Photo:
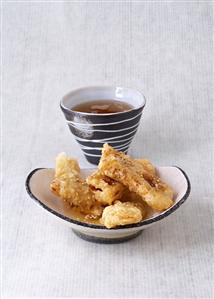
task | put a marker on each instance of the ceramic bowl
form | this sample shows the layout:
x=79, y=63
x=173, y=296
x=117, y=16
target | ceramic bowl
x=38, y=182
x=92, y=130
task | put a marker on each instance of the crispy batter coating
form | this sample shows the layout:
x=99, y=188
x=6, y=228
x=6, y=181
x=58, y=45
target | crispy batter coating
x=147, y=165
x=136, y=177
x=66, y=166
x=121, y=214
x=68, y=185
x=106, y=190
x=136, y=200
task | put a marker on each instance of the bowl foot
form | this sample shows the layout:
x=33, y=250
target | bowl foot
x=106, y=240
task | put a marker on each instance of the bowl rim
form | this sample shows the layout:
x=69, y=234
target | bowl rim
x=102, y=227
x=63, y=107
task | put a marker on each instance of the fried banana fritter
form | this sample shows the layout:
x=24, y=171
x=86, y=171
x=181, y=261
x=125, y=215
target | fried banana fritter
x=66, y=166
x=134, y=175
x=106, y=190
x=68, y=185
x=121, y=213
x=148, y=167
x=136, y=200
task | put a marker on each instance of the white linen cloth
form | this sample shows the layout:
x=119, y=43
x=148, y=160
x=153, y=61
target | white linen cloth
x=162, y=48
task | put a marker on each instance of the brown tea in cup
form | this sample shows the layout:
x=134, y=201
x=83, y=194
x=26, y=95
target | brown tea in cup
x=102, y=106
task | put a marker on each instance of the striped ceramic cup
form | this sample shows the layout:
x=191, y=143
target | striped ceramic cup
x=92, y=130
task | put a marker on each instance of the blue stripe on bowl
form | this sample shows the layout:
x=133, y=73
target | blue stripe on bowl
x=99, y=135
x=103, y=129
x=114, y=139
x=116, y=125
x=100, y=144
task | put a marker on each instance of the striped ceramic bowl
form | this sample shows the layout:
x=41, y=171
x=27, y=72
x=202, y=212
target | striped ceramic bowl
x=92, y=130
